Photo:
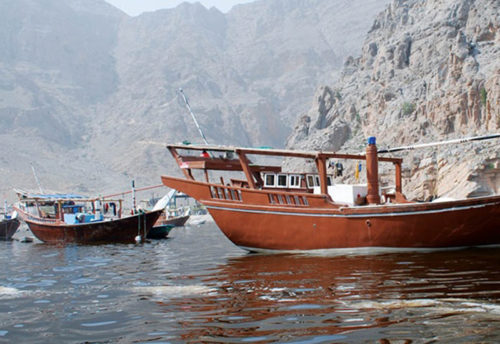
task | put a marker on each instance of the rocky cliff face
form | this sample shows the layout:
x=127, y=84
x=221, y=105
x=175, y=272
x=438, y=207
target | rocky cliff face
x=247, y=73
x=55, y=65
x=429, y=70
x=86, y=91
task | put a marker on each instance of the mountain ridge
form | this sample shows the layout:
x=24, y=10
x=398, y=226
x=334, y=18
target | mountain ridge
x=84, y=86
x=428, y=71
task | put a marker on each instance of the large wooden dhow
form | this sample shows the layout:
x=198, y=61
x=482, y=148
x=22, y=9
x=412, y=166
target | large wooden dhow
x=64, y=219
x=270, y=210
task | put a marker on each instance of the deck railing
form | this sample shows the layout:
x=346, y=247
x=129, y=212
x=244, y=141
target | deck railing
x=225, y=193
x=287, y=199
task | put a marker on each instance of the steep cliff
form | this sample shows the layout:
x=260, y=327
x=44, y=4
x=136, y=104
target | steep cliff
x=55, y=65
x=86, y=89
x=248, y=73
x=429, y=70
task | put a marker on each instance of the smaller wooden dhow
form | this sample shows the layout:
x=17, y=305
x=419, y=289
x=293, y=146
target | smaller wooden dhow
x=8, y=226
x=169, y=218
x=67, y=218
x=164, y=225
x=273, y=210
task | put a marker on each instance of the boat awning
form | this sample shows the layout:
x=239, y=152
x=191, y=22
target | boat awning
x=201, y=163
x=61, y=196
x=58, y=196
x=274, y=152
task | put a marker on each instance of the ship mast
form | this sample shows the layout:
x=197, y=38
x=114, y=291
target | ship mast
x=36, y=178
x=193, y=116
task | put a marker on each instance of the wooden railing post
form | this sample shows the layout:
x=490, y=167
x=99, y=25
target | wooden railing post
x=246, y=168
x=320, y=161
x=399, y=185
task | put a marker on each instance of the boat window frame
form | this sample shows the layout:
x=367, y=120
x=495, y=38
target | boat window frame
x=278, y=180
x=298, y=181
x=315, y=179
x=274, y=180
x=308, y=181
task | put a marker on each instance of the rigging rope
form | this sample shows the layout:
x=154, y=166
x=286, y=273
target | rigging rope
x=431, y=144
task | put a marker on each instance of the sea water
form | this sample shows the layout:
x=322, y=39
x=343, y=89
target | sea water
x=196, y=287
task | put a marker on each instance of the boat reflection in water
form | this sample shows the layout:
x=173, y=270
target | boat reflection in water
x=388, y=298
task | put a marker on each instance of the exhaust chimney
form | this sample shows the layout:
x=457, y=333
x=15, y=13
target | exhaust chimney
x=372, y=196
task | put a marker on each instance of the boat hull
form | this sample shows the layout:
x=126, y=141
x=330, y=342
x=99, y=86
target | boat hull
x=122, y=230
x=163, y=226
x=160, y=231
x=257, y=227
x=177, y=221
x=8, y=228
x=257, y=230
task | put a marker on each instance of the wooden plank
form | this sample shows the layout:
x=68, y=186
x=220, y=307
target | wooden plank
x=280, y=152
x=192, y=162
x=177, y=158
x=321, y=166
x=246, y=169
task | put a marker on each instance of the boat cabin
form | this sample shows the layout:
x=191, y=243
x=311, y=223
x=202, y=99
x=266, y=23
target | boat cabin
x=70, y=209
x=305, y=182
x=284, y=186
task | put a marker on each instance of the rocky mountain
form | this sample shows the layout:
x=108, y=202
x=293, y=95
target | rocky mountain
x=429, y=70
x=247, y=74
x=55, y=64
x=88, y=95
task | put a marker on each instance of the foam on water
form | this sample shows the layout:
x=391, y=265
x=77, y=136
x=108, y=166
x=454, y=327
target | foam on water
x=97, y=324
x=171, y=291
x=394, y=304
x=8, y=292
x=437, y=306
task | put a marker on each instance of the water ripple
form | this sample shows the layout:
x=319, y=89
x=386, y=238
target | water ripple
x=198, y=287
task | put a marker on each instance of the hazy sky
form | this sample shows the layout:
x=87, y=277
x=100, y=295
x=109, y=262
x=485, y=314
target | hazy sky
x=135, y=7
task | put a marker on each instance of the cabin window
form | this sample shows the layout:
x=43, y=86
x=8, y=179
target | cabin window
x=269, y=180
x=282, y=182
x=329, y=180
x=310, y=181
x=316, y=181
x=294, y=181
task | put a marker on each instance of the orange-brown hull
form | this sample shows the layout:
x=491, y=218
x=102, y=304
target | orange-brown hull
x=249, y=221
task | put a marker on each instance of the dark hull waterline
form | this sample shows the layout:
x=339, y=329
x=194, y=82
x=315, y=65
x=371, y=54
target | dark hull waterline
x=7, y=228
